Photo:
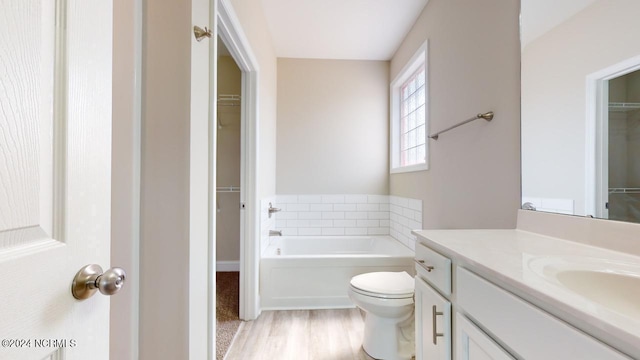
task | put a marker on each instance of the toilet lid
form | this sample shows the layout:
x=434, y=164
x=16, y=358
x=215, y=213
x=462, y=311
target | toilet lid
x=391, y=283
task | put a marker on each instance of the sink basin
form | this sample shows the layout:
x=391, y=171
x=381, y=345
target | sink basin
x=614, y=285
x=619, y=292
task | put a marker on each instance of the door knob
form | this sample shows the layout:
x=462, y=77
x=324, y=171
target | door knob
x=91, y=278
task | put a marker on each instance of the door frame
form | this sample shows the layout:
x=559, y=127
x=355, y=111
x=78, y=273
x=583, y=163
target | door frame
x=597, y=135
x=230, y=31
x=201, y=298
x=125, y=248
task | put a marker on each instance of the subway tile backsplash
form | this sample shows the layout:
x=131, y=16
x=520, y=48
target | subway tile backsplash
x=405, y=215
x=346, y=214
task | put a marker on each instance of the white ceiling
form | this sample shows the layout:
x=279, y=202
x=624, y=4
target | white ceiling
x=340, y=29
x=539, y=16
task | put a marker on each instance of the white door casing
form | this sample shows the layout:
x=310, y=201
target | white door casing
x=229, y=29
x=55, y=149
x=201, y=217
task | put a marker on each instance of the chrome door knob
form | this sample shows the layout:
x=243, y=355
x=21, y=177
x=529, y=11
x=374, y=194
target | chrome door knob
x=91, y=278
x=111, y=281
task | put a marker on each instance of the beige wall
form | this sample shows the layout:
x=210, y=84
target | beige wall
x=228, y=163
x=554, y=85
x=474, y=62
x=164, y=248
x=254, y=25
x=332, y=127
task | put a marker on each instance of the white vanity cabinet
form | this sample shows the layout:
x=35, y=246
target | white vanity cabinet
x=433, y=305
x=473, y=317
x=433, y=309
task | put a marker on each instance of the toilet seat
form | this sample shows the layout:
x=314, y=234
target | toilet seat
x=381, y=296
x=384, y=285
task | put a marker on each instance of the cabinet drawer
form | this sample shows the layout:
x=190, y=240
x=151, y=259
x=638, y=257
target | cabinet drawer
x=434, y=268
x=529, y=331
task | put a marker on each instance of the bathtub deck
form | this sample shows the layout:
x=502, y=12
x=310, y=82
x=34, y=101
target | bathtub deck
x=301, y=335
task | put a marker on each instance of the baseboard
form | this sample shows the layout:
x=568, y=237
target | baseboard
x=227, y=265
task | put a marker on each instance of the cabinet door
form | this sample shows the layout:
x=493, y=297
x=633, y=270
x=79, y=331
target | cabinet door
x=433, y=324
x=473, y=344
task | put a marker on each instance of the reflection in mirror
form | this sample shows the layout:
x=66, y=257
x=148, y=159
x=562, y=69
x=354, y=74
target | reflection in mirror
x=624, y=148
x=581, y=107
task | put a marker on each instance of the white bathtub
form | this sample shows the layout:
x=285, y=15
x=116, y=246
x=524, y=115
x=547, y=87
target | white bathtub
x=313, y=272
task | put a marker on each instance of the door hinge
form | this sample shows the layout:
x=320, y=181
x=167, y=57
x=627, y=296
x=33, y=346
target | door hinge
x=606, y=205
x=242, y=206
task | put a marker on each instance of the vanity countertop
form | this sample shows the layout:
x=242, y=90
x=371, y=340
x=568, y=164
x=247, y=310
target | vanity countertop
x=516, y=261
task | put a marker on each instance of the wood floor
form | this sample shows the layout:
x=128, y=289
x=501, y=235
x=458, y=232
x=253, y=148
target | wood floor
x=301, y=335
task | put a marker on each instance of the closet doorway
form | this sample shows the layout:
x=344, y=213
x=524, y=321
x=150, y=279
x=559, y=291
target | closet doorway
x=228, y=161
x=230, y=35
x=228, y=197
x=613, y=142
x=623, y=188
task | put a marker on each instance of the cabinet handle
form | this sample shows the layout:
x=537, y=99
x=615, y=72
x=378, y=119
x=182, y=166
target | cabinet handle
x=429, y=268
x=436, y=334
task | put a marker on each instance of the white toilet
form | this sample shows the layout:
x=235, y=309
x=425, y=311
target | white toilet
x=387, y=300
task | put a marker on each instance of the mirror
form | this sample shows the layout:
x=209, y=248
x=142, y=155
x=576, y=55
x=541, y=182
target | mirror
x=581, y=107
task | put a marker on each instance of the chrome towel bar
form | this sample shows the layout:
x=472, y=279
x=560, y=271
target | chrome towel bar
x=487, y=116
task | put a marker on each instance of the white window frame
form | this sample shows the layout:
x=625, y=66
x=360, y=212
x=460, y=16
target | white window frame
x=418, y=60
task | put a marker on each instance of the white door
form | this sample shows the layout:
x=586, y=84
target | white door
x=55, y=168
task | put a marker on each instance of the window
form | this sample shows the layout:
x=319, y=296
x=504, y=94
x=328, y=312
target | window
x=409, y=146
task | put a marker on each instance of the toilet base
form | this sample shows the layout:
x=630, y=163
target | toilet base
x=379, y=333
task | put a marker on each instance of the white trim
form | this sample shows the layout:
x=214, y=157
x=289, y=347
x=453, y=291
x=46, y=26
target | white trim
x=230, y=31
x=410, y=168
x=596, y=142
x=419, y=58
x=227, y=266
x=133, y=240
x=211, y=237
x=592, y=88
x=412, y=65
x=137, y=171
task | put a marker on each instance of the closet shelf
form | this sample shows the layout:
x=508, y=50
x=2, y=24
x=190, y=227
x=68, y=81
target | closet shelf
x=624, y=190
x=623, y=106
x=228, y=189
x=229, y=100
